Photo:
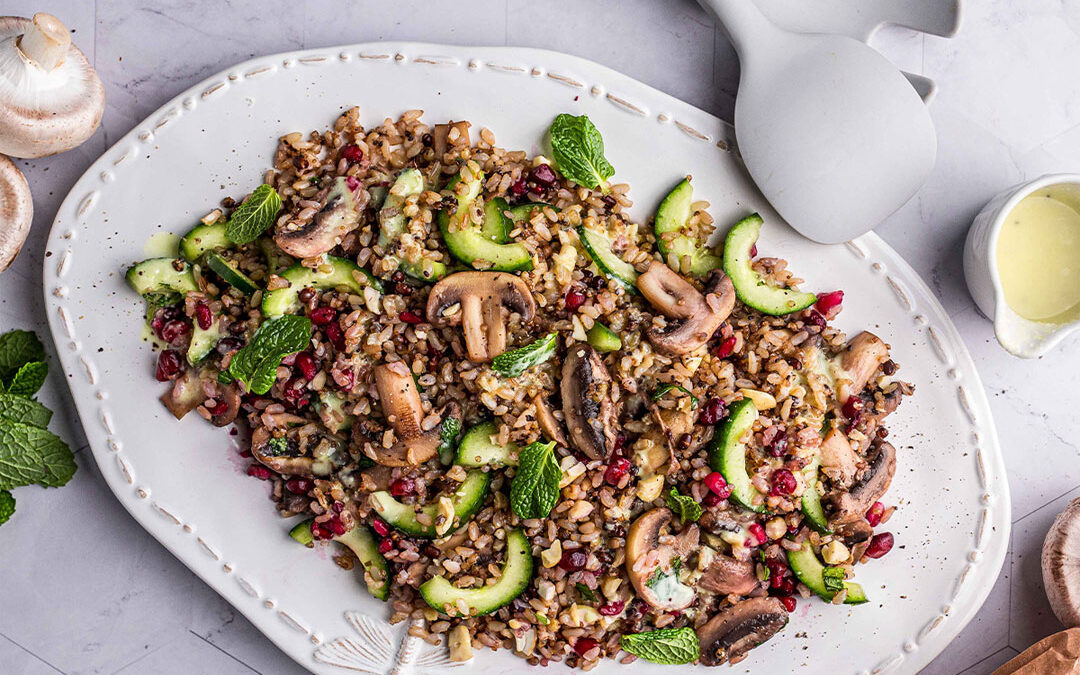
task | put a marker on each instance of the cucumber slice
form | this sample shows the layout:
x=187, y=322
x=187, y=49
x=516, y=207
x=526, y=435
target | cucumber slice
x=598, y=246
x=476, y=448
x=230, y=274
x=285, y=300
x=727, y=454
x=203, y=342
x=671, y=218
x=302, y=533
x=603, y=339
x=524, y=211
x=410, y=182
x=331, y=409
x=516, y=574
x=811, y=499
x=361, y=542
x=497, y=225
x=158, y=276
x=809, y=570
x=467, y=500
x=203, y=238
x=751, y=288
x=473, y=245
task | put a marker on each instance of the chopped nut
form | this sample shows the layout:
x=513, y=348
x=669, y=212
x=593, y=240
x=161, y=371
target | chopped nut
x=762, y=400
x=650, y=488
x=835, y=553
x=446, y=510
x=460, y=643
x=580, y=510
x=550, y=557
x=776, y=527
x=580, y=615
x=610, y=587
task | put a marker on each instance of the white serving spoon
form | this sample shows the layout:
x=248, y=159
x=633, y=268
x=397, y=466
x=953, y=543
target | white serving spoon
x=833, y=135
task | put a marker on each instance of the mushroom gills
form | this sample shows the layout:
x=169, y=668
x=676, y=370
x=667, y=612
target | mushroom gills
x=340, y=214
x=1061, y=565
x=480, y=302
x=16, y=211
x=845, y=506
x=694, y=317
x=733, y=632
x=726, y=575
x=588, y=406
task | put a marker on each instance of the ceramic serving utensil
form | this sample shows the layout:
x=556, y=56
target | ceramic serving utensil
x=833, y=135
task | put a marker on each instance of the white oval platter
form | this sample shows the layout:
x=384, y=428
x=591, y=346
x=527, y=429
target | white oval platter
x=183, y=482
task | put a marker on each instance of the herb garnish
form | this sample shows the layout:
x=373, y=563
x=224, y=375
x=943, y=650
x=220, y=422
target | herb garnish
x=687, y=509
x=256, y=363
x=578, y=150
x=667, y=646
x=534, y=491
x=665, y=388
x=834, y=579
x=586, y=592
x=517, y=361
x=254, y=216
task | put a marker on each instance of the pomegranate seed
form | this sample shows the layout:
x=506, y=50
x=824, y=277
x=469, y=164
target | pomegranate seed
x=174, y=330
x=873, y=515
x=352, y=153
x=584, y=645
x=519, y=188
x=298, y=486
x=352, y=182
x=293, y=391
x=574, y=299
x=402, y=487
x=573, y=560
x=345, y=380
x=615, y=471
x=713, y=411
x=409, y=317
x=380, y=527
x=853, y=408
x=827, y=302
x=710, y=500
x=258, y=471
x=788, y=602
x=305, y=362
x=227, y=345
x=620, y=441
x=613, y=608
x=322, y=316
x=336, y=336
x=319, y=532
x=725, y=349
x=778, y=448
x=203, y=316
x=337, y=526
x=542, y=174
x=880, y=545
x=385, y=546
x=219, y=408
x=783, y=482
x=775, y=580
x=169, y=365
x=814, y=318
x=758, y=532
x=753, y=251
x=788, y=587
x=715, y=482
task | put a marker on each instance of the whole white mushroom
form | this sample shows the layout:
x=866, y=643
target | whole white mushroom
x=16, y=211
x=1061, y=565
x=51, y=100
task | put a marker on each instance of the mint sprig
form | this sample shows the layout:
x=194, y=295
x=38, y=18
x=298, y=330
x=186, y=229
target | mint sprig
x=7, y=506
x=256, y=363
x=667, y=646
x=254, y=216
x=834, y=579
x=534, y=491
x=30, y=454
x=517, y=361
x=15, y=408
x=17, y=348
x=28, y=379
x=684, y=506
x=578, y=150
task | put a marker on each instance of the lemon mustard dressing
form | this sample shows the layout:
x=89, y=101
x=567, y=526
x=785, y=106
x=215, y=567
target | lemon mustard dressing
x=1038, y=255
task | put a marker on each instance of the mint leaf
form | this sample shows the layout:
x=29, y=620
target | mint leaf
x=517, y=361
x=17, y=348
x=667, y=646
x=254, y=216
x=256, y=363
x=578, y=150
x=30, y=454
x=18, y=409
x=834, y=579
x=7, y=506
x=665, y=388
x=586, y=592
x=534, y=491
x=28, y=379
x=451, y=427
x=687, y=509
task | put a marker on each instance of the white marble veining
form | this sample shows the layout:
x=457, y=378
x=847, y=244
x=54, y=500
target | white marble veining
x=85, y=590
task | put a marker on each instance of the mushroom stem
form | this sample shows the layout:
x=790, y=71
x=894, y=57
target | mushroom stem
x=46, y=43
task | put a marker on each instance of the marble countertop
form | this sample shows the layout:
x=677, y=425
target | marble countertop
x=85, y=590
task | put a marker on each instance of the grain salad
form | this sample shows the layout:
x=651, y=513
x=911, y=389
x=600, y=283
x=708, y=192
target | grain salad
x=526, y=420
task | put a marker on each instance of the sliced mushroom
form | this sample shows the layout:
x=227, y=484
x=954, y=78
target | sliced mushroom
x=186, y=394
x=849, y=505
x=51, y=100
x=16, y=211
x=729, y=635
x=860, y=359
x=401, y=405
x=588, y=403
x=650, y=556
x=838, y=460
x=550, y=426
x=480, y=301
x=695, y=317
x=857, y=536
x=726, y=575
x=1061, y=565
x=291, y=461
x=341, y=212
x=230, y=394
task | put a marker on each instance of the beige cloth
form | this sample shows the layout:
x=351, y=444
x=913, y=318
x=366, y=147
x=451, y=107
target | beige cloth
x=1058, y=654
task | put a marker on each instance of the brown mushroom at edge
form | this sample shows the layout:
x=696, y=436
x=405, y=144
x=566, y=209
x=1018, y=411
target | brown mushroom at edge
x=404, y=412
x=845, y=506
x=730, y=634
x=650, y=562
x=1060, y=563
x=340, y=214
x=695, y=316
x=587, y=402
x=16, y=211
x=482, y=300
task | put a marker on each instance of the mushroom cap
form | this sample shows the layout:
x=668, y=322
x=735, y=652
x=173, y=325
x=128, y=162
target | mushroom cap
x=860, y=359
x=231, y=395
x=853, y=503
x=696, y=316
x=1061, y=565
x=340, y=214
x=587, y=403
x=401, y=404
x=44, y=112
x=739, y=628
x=549, y=426
x=484, y=299
x=645, y=554
x=16, y=211
x=726, y=575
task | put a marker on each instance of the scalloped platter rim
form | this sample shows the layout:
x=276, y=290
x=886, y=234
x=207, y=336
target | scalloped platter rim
x=217, y=139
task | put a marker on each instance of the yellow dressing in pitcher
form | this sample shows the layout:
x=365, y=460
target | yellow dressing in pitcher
x=1038, y=255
